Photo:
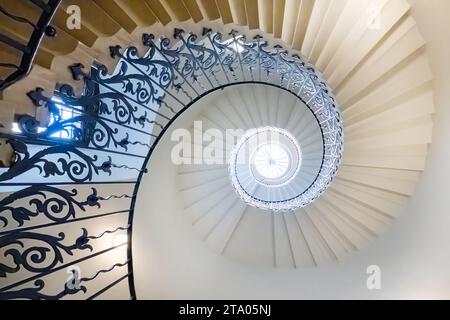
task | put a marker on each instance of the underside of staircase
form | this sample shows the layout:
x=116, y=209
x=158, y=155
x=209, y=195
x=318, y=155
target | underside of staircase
x=375, y=74
x=105, y=23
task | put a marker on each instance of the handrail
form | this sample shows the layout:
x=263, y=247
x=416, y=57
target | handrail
x=27, y=50
x=117, y=123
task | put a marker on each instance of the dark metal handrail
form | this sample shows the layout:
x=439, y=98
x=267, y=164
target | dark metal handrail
x=28, y=51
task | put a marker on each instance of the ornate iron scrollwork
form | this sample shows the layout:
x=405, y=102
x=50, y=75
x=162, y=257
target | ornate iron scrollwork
x=35, y=293
x=79, y=169
x=71, y=287
x=56, y=204
x=125, y=110
x=91, y=122
x=46, y=251
x=37, y=258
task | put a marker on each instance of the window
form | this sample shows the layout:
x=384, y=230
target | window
x=65, y=113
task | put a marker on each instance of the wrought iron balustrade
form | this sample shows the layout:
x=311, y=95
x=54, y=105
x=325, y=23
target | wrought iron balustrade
x=116, y=125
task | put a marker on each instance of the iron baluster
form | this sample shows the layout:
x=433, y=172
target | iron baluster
x=178, y=34
x=147, y=39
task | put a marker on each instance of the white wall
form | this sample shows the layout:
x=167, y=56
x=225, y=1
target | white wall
x=414, y=254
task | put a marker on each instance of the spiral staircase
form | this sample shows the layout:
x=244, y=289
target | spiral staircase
x=357, y=207
x=355, y=94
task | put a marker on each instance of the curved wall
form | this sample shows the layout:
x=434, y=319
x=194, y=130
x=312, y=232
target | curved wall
x=414, y=255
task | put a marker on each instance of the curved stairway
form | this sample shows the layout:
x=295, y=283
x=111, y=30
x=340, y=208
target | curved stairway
x=379, y=76
x=315, y=29
x=373, y=183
